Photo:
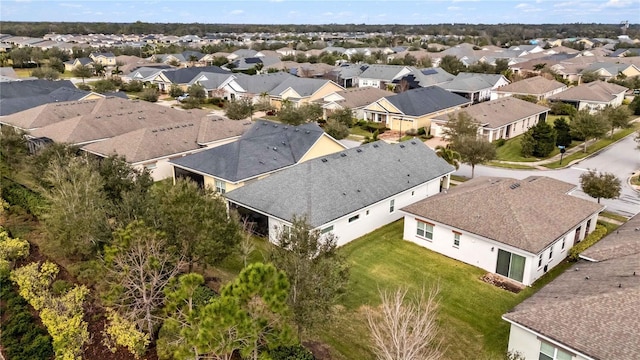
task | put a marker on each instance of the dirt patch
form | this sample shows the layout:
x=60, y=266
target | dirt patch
x=502, y=282
x=320, y=350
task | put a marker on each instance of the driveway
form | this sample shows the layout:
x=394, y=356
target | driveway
x=621, y=159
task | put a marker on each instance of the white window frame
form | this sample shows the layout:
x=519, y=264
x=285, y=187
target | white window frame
x=551, y=352
x=392, y=205
x=221, y=186
x=456, y=240
x=426, y=229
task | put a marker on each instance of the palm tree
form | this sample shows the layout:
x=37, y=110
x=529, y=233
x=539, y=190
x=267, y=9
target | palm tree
x=449, y=155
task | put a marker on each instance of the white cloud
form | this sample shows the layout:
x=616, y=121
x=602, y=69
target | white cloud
x=617, y=3
x=522, y=6
x=70, y=5
x=236, y=12
x=454, y=8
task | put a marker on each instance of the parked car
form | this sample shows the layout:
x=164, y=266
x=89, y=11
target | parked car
x=182, y=97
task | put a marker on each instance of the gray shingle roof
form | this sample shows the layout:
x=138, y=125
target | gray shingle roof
x=471, y=82
x=426, y=77
x=593, y=306
x=185, y=75
x=422, y=101
x=257, y=84
x=382, y=72
x=496, y=113
x=594, y=91
x=264, y=148
x=336, y=185
x=18, y=104
x=529, y=216
x=29, y=88
x=303, y=86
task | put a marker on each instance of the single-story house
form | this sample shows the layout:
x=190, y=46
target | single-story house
x=593, y=96
x=414, y=108
x=502, y=118
x=355, y=99
x=519, y=229
x=106, y=59
x=380, y=76
x=590, y=312
x=475, y=87
x=153, y=147
x=423, y=78
x=349, y=193
x=607, y=71
x=72, y=64
x=301, y=91
x=17, y=96
x=264, y=149
x=181, y=77
x=537, y=86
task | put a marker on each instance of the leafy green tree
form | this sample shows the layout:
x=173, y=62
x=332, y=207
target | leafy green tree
x=449, y=155
x=132, y=86
x=560, y=108
x=175, y=90
x=45, y=72
x=20, y=57
x=13, y=150
x=239, y=109
x=103, y=86
x=458, y=126
x=545, y=139
x=99, y=69
x=587, y=126
x=83, y=72
x=195, y=222
x=616, y=117
x=563, y=132
x=56, y=64
x=343, y=116
x=600, y=185
x=197, y=92
x=76, y=218
x=150, y=94
x=590, y=76
x=336, y=129
x=138, y=265
x=317, y=273
x=475, y=150
x=452, y=65
x=634, y=106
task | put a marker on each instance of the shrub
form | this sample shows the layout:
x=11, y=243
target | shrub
x=133, y=86
x=83, y=86
x=411, y=132
x=60, y=287
x=559, y=108
x=422, y=131
x=104, y=86
x=591, y=239
x=16, y=194
x=150, y=95
x=175, y=91
x=500, y=142
x=336, y=129
x=293, y=352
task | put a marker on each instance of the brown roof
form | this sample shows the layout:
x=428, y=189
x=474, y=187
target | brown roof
x=536, y=85
x=48, y=114
x=359, y=97
x=109, y=117
x=594, y=91
x=496, y=113
x=162, y=141
x=528, y=214
x=593, y=307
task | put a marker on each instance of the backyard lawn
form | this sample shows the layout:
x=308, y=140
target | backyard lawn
x=471, y=310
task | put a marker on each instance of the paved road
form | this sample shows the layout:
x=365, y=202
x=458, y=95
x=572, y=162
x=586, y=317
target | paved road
x=621, y=159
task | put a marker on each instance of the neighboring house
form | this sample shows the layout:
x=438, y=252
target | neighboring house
x=72, y=64
x=519, y=229
x=607, y=71
x=590, y=311
x=266, y=148
x=17, y=96
x=7, y=73
x=243, y=53
x=343, y=193
x=502, y=118
x=424, y=77
x=538, y=86
x=145, y=73
x=380, y=76
x=593, y=96
x=106, y=59
x=415, y=108
x=355, y=99
x=84, y=122
x=301, y=91
x=248, y=63
x=153, y=147
x=475, y=87
x=183, y=59
x=347, y=75
x=181, y=77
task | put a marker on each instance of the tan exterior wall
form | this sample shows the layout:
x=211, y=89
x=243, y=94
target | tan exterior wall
x=324, y=146
x=383, y=105
x=324, y=91
x=630, y=72
x=210, y=181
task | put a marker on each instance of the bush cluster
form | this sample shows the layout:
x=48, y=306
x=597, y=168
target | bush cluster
x=591, y=239
x=18, y=195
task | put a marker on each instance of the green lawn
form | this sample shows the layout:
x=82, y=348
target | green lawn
x=471, y=310
x=510, y=151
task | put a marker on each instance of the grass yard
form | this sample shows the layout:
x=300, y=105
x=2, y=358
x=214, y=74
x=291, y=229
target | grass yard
x=470, y=310
x=510, y=151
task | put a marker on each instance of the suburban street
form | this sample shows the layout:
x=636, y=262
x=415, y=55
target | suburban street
x=621, y=159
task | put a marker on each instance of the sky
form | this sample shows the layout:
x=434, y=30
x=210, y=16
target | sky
x=326, y=11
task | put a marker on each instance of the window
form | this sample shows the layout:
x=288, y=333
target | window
x=151, y=166
x=326, y=230
x=367, y=213
x=354, y=218
x=551, y=252
x=563, y=241
x=550, y=352
x=540, y=260
x=510, y=265
x=425, y=230
x=456, y=239
x=221, y=187
x=392, y=206
x=412, y=193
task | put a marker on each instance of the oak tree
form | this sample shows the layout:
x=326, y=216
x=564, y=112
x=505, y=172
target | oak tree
x=600, y=185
